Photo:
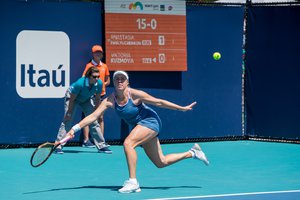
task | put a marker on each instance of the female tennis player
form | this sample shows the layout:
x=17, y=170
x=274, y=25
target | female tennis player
x=145, y=125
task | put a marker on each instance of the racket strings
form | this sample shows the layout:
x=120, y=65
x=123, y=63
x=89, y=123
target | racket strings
x=41, y=154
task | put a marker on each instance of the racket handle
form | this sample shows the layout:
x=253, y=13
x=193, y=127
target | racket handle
x=66, y=139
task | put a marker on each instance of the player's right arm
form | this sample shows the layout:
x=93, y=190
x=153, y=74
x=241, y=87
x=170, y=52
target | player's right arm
x=105, y=104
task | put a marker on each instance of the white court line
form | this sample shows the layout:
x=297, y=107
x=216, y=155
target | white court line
x=229, y=195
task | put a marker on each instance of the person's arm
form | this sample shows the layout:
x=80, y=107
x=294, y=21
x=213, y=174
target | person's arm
x=106, y=81
x=148, y=99
x=106, y=77
x=69, y=112
x=105, y=104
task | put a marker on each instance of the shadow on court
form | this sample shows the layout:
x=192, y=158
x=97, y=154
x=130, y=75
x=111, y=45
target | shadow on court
x=112, y=188
x=78, y=151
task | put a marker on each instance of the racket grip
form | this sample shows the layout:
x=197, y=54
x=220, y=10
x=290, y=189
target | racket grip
x=66, y=139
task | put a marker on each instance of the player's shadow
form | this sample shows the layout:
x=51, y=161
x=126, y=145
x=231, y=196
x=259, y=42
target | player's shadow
x=112, y=188
x=77, y=151
x=167, y=188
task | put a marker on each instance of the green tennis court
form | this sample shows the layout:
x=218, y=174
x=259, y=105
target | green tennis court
x=238, y=170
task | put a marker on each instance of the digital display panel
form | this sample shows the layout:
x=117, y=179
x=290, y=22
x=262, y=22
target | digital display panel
x=146, y=35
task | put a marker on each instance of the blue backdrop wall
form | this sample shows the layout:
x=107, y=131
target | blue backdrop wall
x=215, y=85
x=273, y=68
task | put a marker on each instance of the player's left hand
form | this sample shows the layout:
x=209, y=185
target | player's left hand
x=189, y=107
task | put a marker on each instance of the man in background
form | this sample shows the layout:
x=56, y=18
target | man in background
x=97, y=53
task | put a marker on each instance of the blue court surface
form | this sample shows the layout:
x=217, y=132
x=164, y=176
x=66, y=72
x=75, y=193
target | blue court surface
x=249, y=170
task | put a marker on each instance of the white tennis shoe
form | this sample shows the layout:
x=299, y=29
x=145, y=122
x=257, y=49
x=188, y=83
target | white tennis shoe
x=199, y=154
x=130, y=187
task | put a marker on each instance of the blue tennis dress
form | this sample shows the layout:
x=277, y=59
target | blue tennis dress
x=138, y=114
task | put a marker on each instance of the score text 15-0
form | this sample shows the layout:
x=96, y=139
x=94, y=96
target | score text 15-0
x=143, y=24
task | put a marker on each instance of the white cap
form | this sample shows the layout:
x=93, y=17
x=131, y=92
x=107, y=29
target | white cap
x=121, y=73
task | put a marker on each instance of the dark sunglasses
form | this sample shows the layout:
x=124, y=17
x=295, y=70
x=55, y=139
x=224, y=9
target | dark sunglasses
x=95, y=77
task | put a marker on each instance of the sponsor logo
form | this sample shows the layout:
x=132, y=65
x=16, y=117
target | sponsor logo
x=42, y=64
x=133, y=6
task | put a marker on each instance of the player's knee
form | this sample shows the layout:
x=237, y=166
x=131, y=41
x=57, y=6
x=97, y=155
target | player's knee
x=128, y=144
x=161, y=164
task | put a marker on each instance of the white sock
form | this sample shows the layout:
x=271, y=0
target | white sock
x=133, y=180
x=193, y=153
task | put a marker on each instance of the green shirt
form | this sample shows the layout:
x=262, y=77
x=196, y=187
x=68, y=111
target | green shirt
x=83, y=90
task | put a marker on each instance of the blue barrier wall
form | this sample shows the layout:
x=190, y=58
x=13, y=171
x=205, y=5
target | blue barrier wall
x=34, y=120
x=215, y=85
x=273, y=68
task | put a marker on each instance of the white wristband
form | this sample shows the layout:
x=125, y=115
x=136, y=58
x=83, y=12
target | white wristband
x=76, y=128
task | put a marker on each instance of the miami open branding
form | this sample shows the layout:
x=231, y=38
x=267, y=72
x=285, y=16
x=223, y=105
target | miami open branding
x=42, y=64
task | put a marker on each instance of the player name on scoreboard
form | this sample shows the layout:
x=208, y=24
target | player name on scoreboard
x=126, y=56
x=145, y=36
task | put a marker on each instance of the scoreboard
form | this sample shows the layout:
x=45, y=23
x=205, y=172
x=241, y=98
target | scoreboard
x=145, y=35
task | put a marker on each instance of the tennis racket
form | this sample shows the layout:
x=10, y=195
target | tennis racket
x=44, y=151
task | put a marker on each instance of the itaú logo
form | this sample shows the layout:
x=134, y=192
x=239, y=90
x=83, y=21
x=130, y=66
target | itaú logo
x=135, y=5
x=42, y=64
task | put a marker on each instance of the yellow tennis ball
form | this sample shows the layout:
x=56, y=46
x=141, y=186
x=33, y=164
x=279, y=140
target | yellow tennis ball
x=217, y=56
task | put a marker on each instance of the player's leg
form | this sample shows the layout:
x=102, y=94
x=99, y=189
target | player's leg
x=137, y=137
x=154, y=152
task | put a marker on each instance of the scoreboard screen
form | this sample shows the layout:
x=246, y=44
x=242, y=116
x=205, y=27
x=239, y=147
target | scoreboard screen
x=146, y=35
